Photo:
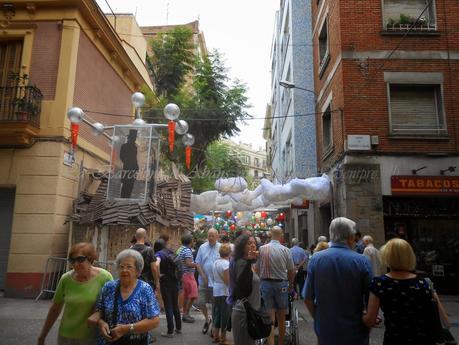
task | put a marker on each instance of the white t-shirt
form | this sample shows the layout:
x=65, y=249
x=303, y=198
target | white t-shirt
x=220, y=288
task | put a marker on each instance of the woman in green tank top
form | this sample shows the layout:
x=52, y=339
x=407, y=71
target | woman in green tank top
x=77, y=293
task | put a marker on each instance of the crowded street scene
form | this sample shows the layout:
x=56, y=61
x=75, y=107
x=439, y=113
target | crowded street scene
x=261, y=172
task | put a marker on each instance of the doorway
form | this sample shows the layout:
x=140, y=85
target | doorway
x=6, y=216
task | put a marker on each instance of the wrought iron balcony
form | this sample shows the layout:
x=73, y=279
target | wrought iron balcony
x=20, y=103
x=20, y=108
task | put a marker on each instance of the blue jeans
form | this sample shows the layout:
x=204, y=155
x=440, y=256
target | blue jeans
x=274, y=294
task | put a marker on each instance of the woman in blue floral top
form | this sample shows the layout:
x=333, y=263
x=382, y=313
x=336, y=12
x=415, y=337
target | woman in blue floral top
x=126, y=308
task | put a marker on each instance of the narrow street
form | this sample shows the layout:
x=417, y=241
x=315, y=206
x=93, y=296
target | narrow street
x=22, y=319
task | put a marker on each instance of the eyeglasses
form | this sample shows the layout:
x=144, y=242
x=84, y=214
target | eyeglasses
x=126, y=267
x=80, y=259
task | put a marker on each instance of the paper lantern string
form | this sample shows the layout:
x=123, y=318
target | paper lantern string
x=188, y=157
x=75, y=128
x=171, y=126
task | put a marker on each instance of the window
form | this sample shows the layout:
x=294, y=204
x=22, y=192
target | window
x=10, y=59
x=263, y=164
x=416, y=109
x=256, y=162
x=323, y=47
x=255, y=173
x=327, y=138
x=402, y=14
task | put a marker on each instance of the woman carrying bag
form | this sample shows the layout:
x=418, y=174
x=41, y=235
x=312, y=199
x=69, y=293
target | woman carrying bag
x=245, y=285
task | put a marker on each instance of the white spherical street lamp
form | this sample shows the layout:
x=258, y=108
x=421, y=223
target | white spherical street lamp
x=171, y=111
x=75, y=115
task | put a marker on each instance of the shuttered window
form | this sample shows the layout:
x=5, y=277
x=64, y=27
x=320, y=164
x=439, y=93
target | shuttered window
x=10, y=59
x=416, y=109
x=323, y=42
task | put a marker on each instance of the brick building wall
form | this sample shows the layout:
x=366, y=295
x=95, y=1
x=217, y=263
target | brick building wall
x=354, y=75
x=356, y=83
x=113, y=98
x=45, y=57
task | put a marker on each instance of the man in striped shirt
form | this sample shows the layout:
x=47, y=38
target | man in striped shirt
x=277, y=272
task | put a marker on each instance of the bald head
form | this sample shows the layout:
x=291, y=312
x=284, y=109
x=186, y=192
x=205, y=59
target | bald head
x=277, y=233
x=141, y=235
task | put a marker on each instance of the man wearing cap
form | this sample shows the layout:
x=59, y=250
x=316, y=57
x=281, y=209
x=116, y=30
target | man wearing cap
x=128, y=155
x=277, y=272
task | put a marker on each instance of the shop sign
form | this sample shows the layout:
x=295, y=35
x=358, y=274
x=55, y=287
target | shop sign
x=421, y=185
x=438, y=270
x=358, y=142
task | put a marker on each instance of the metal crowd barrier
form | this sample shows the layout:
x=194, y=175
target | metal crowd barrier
x=55, y=267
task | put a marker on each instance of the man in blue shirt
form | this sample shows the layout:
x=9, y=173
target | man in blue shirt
x=299, y=258
x=208, y=253
x=337, y=288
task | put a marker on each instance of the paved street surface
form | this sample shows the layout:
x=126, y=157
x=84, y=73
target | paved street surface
x=21, y=321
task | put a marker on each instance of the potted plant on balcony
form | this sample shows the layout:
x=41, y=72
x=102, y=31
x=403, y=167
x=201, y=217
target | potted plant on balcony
x=24, y=108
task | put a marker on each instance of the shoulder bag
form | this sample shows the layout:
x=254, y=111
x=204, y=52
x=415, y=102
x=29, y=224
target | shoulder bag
x=259, y=323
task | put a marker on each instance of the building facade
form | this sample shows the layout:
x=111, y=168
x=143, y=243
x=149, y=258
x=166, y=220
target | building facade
x=291, y=133
x=385, y=76
x=254, y=160
x=72, y=56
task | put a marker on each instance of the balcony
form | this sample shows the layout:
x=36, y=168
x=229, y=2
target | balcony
x=20, y=108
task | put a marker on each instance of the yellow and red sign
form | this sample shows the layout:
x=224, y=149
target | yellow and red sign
x=422, y=185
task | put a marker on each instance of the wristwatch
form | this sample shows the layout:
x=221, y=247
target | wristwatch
x=131, y=328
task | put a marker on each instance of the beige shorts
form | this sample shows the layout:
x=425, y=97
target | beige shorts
x=206, y=295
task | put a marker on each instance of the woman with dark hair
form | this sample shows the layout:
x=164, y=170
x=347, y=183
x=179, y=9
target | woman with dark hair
x=77, y=292
x=244, y=284
x=169, y=286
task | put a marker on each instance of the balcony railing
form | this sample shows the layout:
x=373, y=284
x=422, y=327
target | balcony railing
x=20, y=104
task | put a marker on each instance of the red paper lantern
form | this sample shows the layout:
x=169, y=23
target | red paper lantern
x=75, y=128
x=171, y=126
x=232, y=227
x=228, y=213
x=281, y=217
x=188, y=157
x=264, y=214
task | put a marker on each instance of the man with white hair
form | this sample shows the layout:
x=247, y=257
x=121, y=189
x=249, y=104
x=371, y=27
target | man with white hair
x=336, y=288
x=277, y=273
x=208, y=253
x=372, y=254
x=322, y=239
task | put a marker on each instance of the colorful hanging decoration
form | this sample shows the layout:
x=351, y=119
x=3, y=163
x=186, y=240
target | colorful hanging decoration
x=264, y=214
x=232, y=227
x=188, y=157
x=228, y=213
x=75, y=128
x=171, y=126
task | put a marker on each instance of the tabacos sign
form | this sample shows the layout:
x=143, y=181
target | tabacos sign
x=417, y=185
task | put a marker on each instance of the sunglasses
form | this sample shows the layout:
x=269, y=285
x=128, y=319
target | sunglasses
x=80, y=259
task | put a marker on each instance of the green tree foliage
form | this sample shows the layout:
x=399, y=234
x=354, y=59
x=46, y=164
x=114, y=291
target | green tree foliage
x=213, y=105
x=220, y=161
x=172, y=60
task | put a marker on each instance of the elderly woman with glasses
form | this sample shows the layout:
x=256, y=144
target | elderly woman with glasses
x=126, y=308
x=77, y=290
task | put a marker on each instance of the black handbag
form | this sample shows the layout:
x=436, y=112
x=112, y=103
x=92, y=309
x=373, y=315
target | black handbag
x=259, y=323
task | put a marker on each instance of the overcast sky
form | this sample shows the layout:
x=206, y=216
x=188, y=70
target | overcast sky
x=240, y=29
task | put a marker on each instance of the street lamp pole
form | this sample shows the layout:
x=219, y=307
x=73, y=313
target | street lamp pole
x=289, y=85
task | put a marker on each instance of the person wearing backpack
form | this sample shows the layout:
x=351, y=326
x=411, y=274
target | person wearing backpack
x=169, y=287
x=150, y=272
